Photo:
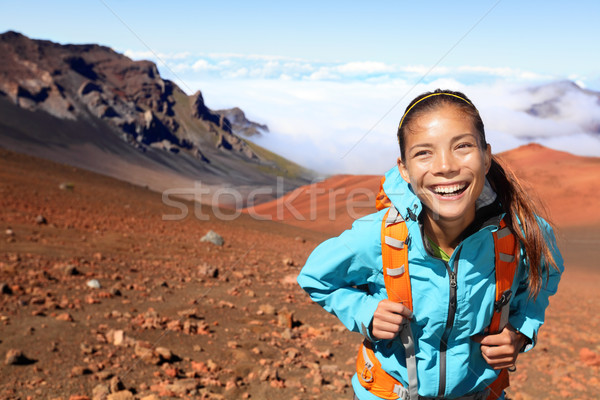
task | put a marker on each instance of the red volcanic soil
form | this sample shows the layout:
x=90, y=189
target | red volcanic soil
x=566, y=184
x=328, y=206
x=175, y=317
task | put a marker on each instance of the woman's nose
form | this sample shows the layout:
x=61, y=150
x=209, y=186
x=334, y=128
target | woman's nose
x=444, y=163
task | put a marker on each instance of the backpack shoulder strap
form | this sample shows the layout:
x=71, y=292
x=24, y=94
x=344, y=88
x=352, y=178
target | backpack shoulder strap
x=506, y=266
x=382, y=200
x=505, y=246
x=394, y=254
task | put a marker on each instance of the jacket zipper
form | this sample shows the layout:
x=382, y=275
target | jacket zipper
x=452, y=305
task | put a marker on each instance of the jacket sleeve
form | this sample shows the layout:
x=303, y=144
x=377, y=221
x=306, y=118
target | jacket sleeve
x=527, y=314
x=337, y=270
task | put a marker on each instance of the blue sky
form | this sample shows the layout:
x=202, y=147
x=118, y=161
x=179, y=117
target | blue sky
x=331, y=79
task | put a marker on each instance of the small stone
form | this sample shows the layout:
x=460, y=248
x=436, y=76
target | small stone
x=171, y=372
x=66, y=186
x=144, y=351
x=116, y=385
x=41, y=220
x=5, y=289
x=122, y=395
x=9, y=232
x=104, y=375
x=164, y=353
x=213, y=237
x=266, y=309
x=150, y=397
x=78, y=371
x=289, y=262
x=118, y=337
x=64, y=317
x=93, y=283
x=208, y=271
x=70, y=270
x=285, y=318
x=100, y=392
x=16, y=357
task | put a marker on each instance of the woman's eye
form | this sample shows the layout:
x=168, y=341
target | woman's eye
x=464, y=145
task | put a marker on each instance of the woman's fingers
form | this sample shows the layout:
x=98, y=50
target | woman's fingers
x=388, y=319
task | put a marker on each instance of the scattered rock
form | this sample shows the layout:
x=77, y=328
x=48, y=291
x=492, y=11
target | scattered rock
x=208, y=271
x=150, y=397
x=183, y=386
x=5, y=289
x=164, y=353
x=213, y=238
x=121, y=395
x=144, y=351
x=266, y=309
x=285, y=318
x=64, y=317
x=17, y=357
x=66, y=186
x=9, y=232
x=70, y=270
x=41, y=220
x=288, y=262
x=78, y=371
x=116, y=385
x=100, y=392
x=93, y=283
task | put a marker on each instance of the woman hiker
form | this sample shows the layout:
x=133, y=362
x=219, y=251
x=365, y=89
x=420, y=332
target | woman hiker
x=450, y=280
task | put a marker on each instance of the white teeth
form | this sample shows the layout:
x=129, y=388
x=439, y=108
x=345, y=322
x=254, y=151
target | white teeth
x=449, y=189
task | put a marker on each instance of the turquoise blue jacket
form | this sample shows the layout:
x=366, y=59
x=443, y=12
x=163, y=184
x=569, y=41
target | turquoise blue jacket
x=338, y=271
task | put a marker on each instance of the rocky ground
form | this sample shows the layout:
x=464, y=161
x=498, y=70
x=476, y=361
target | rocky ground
x=103, y=298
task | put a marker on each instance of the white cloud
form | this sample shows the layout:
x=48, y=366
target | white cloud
x=350, y=127
x=203, y=65
x=342, y=117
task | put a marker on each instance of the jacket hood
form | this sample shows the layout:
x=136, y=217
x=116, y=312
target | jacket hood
x=408, y=204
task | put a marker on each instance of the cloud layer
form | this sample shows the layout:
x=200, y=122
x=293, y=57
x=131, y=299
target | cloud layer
x=342, y=117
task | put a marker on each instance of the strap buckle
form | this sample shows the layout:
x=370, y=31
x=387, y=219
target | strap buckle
x=502, y=301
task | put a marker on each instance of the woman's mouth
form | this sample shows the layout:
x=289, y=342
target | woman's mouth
x=450, y=190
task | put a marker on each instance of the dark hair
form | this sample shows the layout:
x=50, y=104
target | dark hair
x=521, y=209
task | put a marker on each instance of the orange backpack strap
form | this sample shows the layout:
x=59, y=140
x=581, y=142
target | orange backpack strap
x=394, y=252
x=505, y=246
x=382, y=201
x=394, y=255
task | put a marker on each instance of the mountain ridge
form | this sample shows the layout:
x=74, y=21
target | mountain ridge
x=92, y=94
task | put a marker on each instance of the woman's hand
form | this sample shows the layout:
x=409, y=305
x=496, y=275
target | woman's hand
x=388, y=319
x=501, y=350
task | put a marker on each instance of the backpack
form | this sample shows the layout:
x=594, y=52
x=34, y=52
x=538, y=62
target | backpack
x=394, y=234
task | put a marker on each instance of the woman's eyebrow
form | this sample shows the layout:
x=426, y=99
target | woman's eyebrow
x=426, y=145
x=462, y=136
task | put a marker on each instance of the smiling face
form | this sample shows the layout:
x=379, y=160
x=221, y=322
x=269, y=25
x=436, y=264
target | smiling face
x=446, y=164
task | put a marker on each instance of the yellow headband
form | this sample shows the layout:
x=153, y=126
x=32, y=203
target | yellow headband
x=428, y=96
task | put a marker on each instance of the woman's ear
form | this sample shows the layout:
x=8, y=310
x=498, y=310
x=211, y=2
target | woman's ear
x=403, y=170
